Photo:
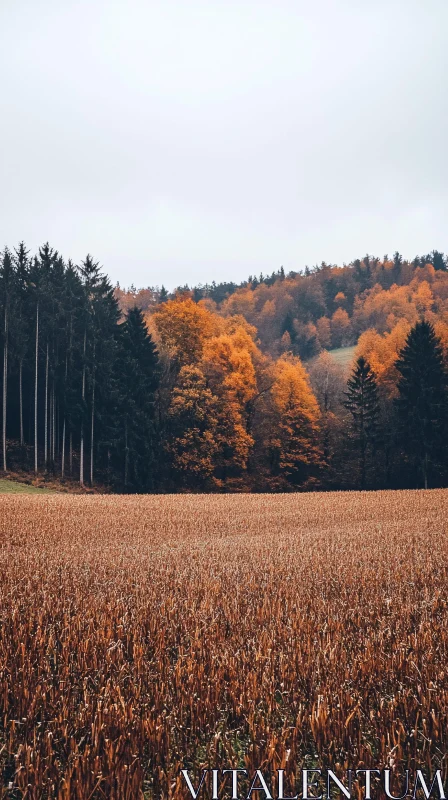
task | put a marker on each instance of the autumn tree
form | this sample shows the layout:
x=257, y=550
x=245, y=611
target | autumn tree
x=362, y=402
x=327, y=382
x=183, y=326
x=340, y=328
x=296, y=454
x=228, y=363
x=193, y=420
x=422, y=403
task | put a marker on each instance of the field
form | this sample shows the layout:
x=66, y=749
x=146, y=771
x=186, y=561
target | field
x=15, y=487
x=141, y=635
x=343, y=355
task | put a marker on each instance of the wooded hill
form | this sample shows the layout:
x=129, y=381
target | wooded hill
x=226, y=388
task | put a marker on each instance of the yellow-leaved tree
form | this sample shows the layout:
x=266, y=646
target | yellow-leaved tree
x=193, y=421
x=183, y=326
x=228, y=363
x=296, y=453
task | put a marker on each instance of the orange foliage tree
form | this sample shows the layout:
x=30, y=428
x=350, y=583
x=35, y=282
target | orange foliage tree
x=295, y=443
x=183, y=326
x=193, y=420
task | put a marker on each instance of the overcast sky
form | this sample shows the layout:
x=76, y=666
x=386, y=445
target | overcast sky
x=181, y=141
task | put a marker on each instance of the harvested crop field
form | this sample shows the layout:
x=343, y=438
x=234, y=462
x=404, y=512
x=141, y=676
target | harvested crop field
x=141, y=635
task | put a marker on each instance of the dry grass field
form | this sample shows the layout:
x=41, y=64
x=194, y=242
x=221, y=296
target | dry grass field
x=140, y=635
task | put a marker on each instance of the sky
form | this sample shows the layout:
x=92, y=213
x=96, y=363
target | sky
x=184, y=142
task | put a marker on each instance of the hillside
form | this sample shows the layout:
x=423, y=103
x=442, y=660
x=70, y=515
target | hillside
x=225, y=388
x=328, y=307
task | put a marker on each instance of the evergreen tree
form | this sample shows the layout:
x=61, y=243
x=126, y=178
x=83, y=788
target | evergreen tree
x=7, y=298
x=22, y=331
x=363, y=403
x=98, y=355
x=163, y=295
x=422, y=402
x=138, y=368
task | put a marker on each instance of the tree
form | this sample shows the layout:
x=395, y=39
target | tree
x=183, y=327
x=328, y=382
x=363, y=404
x=422, y=401
x=295, y=438
x=340, y=328
x=21, y=260
x=138, y=374
x=7, y=296
x=193, y=423
x=163, y=295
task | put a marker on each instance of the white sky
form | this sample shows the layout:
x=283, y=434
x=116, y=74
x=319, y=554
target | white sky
x=185, y=141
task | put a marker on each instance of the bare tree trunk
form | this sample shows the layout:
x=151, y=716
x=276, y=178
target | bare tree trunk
x=35, y=388
x=81, y=444
x=50, y=430
x=81, y=456
x=425, y=469
x=46, y=413
x=92, y=419
x=53, y=428
x=22, y=439
x=71, y=455
x=92, y=422
x=5, y=387
x=63, y=451
x=126, y=452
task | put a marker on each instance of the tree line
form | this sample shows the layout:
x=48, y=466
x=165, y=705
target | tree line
x=77, y=386
x=326, y=307
x=185, y=396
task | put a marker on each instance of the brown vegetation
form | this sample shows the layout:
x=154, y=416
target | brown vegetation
x=144, y=635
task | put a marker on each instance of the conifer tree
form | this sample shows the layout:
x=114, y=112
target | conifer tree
x=22, y=333
x=363, y=403
x=7, y=292
x=138, y=368
x=422, y=401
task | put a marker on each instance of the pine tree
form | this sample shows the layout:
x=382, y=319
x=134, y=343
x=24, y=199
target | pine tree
x=363, y=404
x=163, y=295
x=422, y=402
x=7, y=297
x=22, y=332
x=98, y=356
x=138, y=368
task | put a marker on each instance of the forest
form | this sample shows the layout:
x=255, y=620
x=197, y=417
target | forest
x=225, y=387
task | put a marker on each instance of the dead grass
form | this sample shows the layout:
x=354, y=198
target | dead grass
x=140, y=635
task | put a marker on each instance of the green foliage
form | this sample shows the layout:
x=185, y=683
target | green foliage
x=362, y=402
x=422, y=405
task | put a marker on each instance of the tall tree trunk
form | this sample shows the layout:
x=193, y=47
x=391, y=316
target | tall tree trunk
x=50, y=430
x=81, y=443
x=126, y=452
x=81, y=456
x=92, y=422
x=22, y=439
x=70, y=462
x=35, y=388
x=5, y=386
x=425, y=469
x=92, y=418
x=46, y=412
x=53, y=428
x=63, y=450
